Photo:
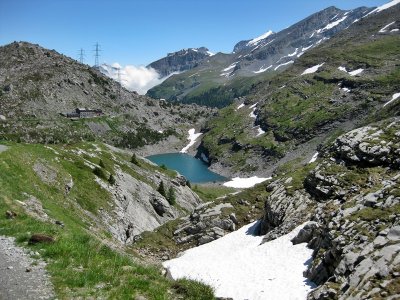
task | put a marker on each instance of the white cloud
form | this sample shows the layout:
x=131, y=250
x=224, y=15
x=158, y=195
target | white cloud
x=136, y=78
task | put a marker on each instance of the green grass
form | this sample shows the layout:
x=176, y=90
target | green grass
x=210, y=193
x=80, y=261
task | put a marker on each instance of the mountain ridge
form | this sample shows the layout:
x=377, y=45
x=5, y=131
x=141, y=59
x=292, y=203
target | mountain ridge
x=254, y=62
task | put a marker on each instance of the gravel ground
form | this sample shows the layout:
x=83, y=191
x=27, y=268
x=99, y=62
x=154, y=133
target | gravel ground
x=21, y=276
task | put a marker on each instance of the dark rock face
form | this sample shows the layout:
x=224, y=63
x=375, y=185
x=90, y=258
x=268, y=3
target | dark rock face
x=180, y=61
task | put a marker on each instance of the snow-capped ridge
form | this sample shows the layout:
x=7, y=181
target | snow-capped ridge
x=258, y=39
x=383, y=7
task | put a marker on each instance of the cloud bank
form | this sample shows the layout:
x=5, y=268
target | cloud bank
x=135, y=78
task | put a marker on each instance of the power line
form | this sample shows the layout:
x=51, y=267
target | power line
x=97, y=51
x=81, y=55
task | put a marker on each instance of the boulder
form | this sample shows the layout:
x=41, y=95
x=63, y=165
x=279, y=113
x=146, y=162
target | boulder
x=161, y=206
x=306, y=233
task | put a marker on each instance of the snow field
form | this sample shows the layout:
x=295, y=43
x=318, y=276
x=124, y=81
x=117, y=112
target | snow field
x=238, y=182
x=239, y=266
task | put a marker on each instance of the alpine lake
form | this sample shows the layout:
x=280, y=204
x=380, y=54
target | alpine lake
x=195, y=170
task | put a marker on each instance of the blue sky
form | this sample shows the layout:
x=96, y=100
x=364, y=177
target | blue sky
x=138, y=32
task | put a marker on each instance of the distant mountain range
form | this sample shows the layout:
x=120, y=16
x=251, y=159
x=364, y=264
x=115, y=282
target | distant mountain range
x=217, y=79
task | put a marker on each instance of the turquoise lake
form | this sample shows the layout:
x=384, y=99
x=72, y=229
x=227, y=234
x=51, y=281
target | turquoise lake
x=193, y=169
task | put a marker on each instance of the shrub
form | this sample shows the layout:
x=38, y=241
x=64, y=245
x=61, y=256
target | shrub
x=111, y=179
x=171, y=196
x=161, y=188
x=134, y=159
x=99, y=172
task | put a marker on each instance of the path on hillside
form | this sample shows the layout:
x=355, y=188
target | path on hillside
x=3, y=148
x=21, y=276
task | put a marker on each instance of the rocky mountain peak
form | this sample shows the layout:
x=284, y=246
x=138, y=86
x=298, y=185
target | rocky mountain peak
x=180, y=61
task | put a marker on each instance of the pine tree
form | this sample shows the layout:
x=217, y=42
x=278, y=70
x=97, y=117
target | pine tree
x=111, y=179
x=171, y=196
x=161, y=188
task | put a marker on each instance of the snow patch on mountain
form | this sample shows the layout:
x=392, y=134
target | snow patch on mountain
x=244, y=183
x=394, y=97
x=263, y=70
x=383, y=7
x=314, y=157
x=240, y=106
x=256, y=40
x=352, y=73
x=312, y=69
x=284, y=64
x=384, y=29
x=239, y=266
x=192, y=139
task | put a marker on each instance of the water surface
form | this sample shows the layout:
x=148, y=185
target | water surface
x=193, y=169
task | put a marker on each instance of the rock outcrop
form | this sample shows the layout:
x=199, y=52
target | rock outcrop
x=205, y=224
x=352, y=198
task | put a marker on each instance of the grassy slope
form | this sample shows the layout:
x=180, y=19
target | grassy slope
x=206, y=87
x=81, y=262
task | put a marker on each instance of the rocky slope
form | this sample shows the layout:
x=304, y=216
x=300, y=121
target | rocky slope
x=319, y=97
x=219, y=79
x=351, y=195
x=37, y=85
x=180, y=61
x=350, y=198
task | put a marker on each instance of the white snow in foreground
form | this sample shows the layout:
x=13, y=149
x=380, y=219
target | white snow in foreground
x=383, y=7
x=240, y=106
x=313, y=158
x=394, y=30
x=3, y=118
x=262, y=70
x=245, y=183
x=256, y=40
x=284, y=64
x=384, y=29
x=312, y=69
x=342, y=69
x=192, y=138
x=394, y=97
x=237, y=266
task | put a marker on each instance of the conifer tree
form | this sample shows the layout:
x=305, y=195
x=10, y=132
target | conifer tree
x=171, y=196
x=161, y=188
